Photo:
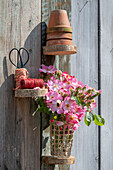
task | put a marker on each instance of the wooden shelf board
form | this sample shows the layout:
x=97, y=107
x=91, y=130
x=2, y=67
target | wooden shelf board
x=57, y=160
x=59, y=50
x=30, y=92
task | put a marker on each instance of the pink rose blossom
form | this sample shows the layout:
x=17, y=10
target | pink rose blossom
x=75, y=126
x=100, y=91
x=56, y=106
x=46, y=69
x=71, y=118
x=64, y=74
x=64, y=92
x=53, y=95
x=68, y=105
x=59, y=123
x=67, y=98
x=54, y=85
x=94, y=104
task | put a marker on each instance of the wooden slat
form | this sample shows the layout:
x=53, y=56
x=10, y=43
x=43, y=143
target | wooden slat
x=85, y=68
x=61, y=62
x=54, y=160
x=106, y=8
x=59, y=50
x=30, y=92
x=19, y=142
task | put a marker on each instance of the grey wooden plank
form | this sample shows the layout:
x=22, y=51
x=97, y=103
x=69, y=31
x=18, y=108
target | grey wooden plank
x=107, y=84
x=19, y=143
x=58, y=160
x=27, y=135
x=64, y=167
x=59, y=49
x=30, y=93
x=61, y=62
x=84, y=66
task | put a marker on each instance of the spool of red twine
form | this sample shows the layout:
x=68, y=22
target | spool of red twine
x=20, y=73
x=31, y=83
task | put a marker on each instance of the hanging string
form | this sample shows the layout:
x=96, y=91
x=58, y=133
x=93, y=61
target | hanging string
x=31, y=83
x=20, y=73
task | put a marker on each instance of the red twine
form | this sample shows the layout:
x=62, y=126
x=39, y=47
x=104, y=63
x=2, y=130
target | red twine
x=20, y=73
x=31, y=83
x=23, y=82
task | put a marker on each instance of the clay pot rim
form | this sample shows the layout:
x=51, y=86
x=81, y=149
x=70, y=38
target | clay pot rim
x=59, y=29
x=59, y=42
x=59, y=26
x=63, y=32
x=63, y=35
x=59, y=39
x=55, y=10
x=50, y=50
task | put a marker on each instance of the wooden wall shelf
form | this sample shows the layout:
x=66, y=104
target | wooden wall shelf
x=60, y=161
x=30, y=92
x=59, y=50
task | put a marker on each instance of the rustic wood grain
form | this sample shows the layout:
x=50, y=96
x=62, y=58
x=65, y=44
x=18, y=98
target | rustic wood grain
x=61, y=62
x=30, y=92
x=54, y=160
x=106, y=83
x=19, y=142
x=50, y=167
x=84, y=66
x=59, y=50
x=64, y=167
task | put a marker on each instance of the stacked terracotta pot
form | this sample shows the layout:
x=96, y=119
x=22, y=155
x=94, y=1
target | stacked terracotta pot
x=59, y=31
x=59, y=35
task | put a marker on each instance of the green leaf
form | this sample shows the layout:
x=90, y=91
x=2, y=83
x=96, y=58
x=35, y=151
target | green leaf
x=76, y=99
x=99, y=120
x=89, y=117
x=42, y=106
x=73, y=98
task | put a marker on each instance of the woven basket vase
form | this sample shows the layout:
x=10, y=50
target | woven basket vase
x=60, y=140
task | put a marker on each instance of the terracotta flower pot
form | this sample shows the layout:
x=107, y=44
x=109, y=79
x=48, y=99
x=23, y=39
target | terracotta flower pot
x=59, y=42
x=59, y=35
x=59, y=18
x=59, y=29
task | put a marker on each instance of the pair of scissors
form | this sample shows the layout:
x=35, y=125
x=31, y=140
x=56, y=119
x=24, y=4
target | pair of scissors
x=20, y=64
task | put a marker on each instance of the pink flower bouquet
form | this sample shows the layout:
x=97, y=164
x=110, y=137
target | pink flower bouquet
x=68, y=101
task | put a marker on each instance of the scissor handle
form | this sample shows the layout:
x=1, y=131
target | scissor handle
x=22, y=48
x=19, y=55
x=10, y=55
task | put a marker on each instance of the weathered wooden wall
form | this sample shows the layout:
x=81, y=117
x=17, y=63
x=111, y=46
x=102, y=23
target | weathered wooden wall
x=92, y=22
x=19, y=143
x=61, y=62
x=20, y=25
x=106, y=43
x=84, y=66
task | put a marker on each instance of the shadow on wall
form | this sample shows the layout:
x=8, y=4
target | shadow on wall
x=7, y=117
x=34, y=44
x=35, y=49
x=12, y=119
